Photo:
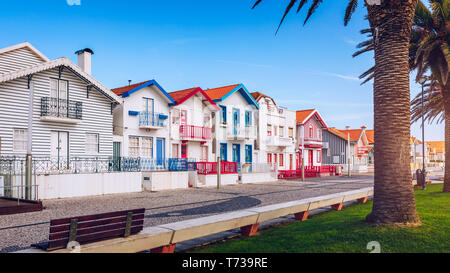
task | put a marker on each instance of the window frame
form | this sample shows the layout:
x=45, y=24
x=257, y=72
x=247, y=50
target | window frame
x=23, y=141
x=86, y=144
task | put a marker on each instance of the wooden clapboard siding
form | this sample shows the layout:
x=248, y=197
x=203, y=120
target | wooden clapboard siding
x=17, y=59
x=337, y=147
x=97, y=116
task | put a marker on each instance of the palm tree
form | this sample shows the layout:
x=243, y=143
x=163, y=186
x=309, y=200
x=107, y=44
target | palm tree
x=429, y=51
x=390, y=23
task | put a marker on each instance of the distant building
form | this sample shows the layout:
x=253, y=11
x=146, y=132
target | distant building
x=435, y=151
x=334, y=150
x=360, y=148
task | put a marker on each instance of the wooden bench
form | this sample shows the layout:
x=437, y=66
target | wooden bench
x=93, y=228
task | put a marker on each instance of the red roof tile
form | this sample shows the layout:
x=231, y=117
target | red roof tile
x=120, y=90
x=337, y=133
x=178, y=95
x=219, y=92
x=303, y=114
x=370, y=134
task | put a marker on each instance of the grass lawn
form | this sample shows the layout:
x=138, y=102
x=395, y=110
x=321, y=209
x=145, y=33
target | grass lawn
x=346, y=231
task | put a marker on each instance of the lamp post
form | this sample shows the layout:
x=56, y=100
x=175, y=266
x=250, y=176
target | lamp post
x=348, y=154
x=422, y=81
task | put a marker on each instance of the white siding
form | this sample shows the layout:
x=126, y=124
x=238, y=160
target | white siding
x=18, y=59
x=96, y=118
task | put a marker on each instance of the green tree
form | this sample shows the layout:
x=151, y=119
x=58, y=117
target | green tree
x=429, y=52
x=390, y=23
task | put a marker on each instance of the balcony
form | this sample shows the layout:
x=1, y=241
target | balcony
x=279, y=141
x=61, y=110
x=195, y=133
x=313, y=143
x=250, y=132
x=152, y=120
x=235, y=133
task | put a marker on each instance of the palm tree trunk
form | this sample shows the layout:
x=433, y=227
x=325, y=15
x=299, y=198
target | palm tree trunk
x=394, y=202
x=446, y=97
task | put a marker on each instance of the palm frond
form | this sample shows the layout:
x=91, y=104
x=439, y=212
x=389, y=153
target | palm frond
x=351, y=7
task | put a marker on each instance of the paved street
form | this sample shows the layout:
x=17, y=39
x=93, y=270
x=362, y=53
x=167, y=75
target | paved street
x=170, y=206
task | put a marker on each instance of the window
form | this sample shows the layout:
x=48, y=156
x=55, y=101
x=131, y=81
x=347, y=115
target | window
x=248, y=118
x=291, y=132
x=147, y=147
x=281, y=160
x=318, y=133
x=92, y=143
x=281, y=131
x=223, y=114
x=223, y=151
x=133, y=148
x=319, y=156
x=58, y=88
x=269, y=130
x=275, y=158
x=269, y=158
x=176, y=116
x=311, y=132
x=248, y=153
x=20, y=138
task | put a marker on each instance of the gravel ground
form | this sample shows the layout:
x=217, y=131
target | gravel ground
x=169, y=206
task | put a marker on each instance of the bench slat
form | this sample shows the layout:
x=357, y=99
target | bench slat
x=93, y=237
x=103, y=228
x=92, y=217
x=123, y=218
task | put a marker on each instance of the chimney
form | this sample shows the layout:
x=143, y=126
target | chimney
x=84, y=59
x=363, y=127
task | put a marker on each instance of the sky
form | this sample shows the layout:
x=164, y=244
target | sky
x=183, y=44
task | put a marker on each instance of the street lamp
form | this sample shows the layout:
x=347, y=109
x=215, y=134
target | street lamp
x=348, y=154
x=422, y=82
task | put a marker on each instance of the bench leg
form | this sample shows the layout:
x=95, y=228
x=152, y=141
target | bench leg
x=362, y=200
x=302, y=216
x=250, y=230
x=337, y=206
x=164, y=249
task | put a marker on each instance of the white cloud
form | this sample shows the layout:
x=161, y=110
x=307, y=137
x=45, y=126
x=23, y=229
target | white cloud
x=73, y=2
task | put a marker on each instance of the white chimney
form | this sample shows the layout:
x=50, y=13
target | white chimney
x=84, y=59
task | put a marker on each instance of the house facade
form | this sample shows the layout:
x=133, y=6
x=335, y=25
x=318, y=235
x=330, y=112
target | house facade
x=309, y=137
x=53, y=108
x=234, y=127
x=435, y=151
x=191, y=125
x=276, y=130
x=334, y=151
x=141, y=123
x=360, y=148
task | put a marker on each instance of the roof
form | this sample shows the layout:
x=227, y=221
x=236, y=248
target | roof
x=436, y=146
x=414, y=139
x=258, y=96
x=183, y=95
x=337, y=132
x=370, y=134
x=221, y=93
x=126, y=91
x=27, y=45
x=57, y=63
x=355, y=134
x=303, y=115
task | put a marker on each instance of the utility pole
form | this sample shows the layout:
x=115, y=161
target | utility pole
x=29, y=159
x=218, y=172
x=303, y=154
x=422, y=82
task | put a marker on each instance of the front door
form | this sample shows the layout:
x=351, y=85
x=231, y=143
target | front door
x=59, y=145
x=160, y=151
x=248, y=154
x=237, y=153
x=116, y=156
x=183, y=150
x=310, y=157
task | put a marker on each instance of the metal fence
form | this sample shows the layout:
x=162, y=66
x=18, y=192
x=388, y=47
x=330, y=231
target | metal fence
x=13, y=178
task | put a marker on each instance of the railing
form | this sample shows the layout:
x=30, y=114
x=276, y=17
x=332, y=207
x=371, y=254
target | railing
x=226, y=167
x=257, y=168
x=310, y=171
x=13, y=182
x=195, y=132
x=182, y=164
x=61, y=108
x=152, y=119
x=250, y=132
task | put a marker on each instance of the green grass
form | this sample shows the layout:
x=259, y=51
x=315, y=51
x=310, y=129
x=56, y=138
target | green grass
x=346, y=231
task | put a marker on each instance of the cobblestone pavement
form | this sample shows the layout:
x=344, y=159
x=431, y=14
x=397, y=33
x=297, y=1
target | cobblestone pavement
x=20, y=230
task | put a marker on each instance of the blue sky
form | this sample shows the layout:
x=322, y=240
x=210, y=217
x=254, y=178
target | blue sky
x=205, y=43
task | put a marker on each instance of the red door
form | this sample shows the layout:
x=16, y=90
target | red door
x=183, y=151
x=310, y=157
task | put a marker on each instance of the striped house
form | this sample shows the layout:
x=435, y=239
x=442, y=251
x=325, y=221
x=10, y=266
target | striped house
x=67, y=110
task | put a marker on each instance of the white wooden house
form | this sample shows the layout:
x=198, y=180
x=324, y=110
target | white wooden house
x=276, y=134
x=71, y=112
x=234, y=126
x=141, y=123
x=191, y=125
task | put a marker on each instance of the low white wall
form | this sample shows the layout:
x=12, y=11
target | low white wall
x=158, y=181
x=77, y=185
x=211, y=180
x=258, y=177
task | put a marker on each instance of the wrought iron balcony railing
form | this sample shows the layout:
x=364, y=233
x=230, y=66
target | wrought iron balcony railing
x=61, y=108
